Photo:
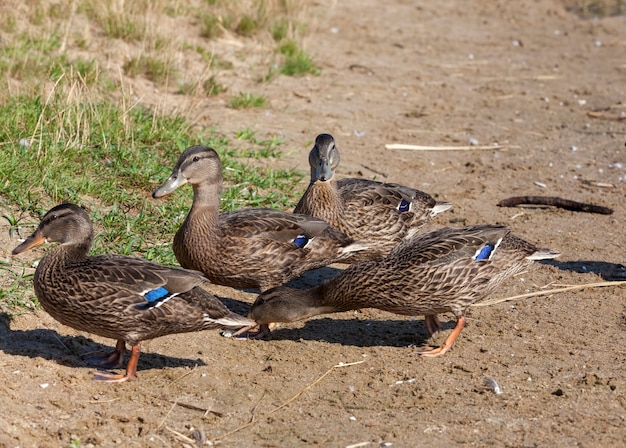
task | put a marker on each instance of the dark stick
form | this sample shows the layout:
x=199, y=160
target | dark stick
x=555, y=202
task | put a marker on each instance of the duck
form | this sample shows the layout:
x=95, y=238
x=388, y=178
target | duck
x=445, y=270
x=382, y=214
x=249, y=248
x=114, y=296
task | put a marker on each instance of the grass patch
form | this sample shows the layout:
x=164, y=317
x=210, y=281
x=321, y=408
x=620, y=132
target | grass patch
x=296, y=62
x=118, y=20
x=246, y=100
x=70, y=133
x=154, y=69
x=108, y=158
x=212, y=87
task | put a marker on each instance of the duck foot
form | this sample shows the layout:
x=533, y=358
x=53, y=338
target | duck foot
x=447, y=344
x=263, y=332
x=431, y=321
x=131, y=370
x=109, y=360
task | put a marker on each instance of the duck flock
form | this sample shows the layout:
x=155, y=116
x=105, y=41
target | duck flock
x=372, y=226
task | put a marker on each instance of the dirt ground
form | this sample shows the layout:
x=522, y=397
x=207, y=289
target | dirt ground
x=543, y=83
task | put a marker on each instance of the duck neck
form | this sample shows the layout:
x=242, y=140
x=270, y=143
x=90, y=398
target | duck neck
x=64, y=255
x=318, y=300
x=206, y=202
x=351, y=289
x=325, y=193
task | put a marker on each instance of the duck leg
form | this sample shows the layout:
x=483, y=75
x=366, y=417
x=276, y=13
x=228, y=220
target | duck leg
x=110, y=360
x=448, y=343
x=131, y=369
x=432, y=324
x=263, y=331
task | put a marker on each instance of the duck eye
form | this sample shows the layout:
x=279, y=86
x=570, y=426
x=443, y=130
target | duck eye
x=195, y=158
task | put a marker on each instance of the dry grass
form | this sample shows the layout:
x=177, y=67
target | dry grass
x=177, y=46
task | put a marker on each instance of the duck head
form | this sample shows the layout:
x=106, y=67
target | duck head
x=65, y=223
x=323, y=158
x=196, y=165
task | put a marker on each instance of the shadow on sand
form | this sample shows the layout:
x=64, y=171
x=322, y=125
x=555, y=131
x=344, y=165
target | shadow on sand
x=610, y=272
x=69, y=350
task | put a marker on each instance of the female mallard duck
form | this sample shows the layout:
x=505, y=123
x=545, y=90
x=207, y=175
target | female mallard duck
x=442, y=271
x=115, y=296
x=382, y=214
x=247, y=248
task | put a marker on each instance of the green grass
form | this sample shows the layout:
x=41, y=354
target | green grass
x=297, y=62
x=212, y=87
x=73, y=146
x=73, y=128
x=155, y=69
x=246, y=100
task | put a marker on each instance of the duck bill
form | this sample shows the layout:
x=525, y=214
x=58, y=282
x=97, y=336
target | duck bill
x=323, y=171
x=36, y=239
x=171, y=184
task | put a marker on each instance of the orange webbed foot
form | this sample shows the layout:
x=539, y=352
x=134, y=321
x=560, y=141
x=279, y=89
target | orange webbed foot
x=447, y=344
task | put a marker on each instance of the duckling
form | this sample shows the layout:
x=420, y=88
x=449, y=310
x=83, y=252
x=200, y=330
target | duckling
x=247, y=248
x=445, y=270
x=382, y=214
x=115, y=296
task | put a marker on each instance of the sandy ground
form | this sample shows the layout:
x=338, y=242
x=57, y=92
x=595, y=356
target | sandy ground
x=525, y=75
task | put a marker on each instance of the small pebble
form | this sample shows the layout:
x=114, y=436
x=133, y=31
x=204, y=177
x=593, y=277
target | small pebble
x=491, y=383
x=598, y=43
x=44, y=385
x=473, y=142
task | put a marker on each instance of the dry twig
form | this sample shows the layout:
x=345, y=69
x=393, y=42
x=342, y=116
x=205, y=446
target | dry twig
x=553, y=201
x=446, y=148
x=548, y=292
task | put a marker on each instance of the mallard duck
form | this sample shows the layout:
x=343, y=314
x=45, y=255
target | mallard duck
x=441, y=271
x=382, y=214
x=246, y=248
x=116, y=296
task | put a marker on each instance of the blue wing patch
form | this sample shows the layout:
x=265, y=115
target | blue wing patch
x=301, y=241
x=404, y=206
x=156, y=298
x=156, y=294
x=484, y=253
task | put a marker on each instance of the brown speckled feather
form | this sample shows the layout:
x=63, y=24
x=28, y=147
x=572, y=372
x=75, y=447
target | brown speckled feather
x=248, y=248
x=381, y=213
x=104, y=294
x=428, y=274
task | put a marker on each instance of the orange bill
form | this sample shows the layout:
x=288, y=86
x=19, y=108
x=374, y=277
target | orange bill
x=36, y=239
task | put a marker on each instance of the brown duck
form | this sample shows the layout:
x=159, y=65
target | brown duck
x=382, y=214
x=441, y=271
x=116, y=296
x=247, y=248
